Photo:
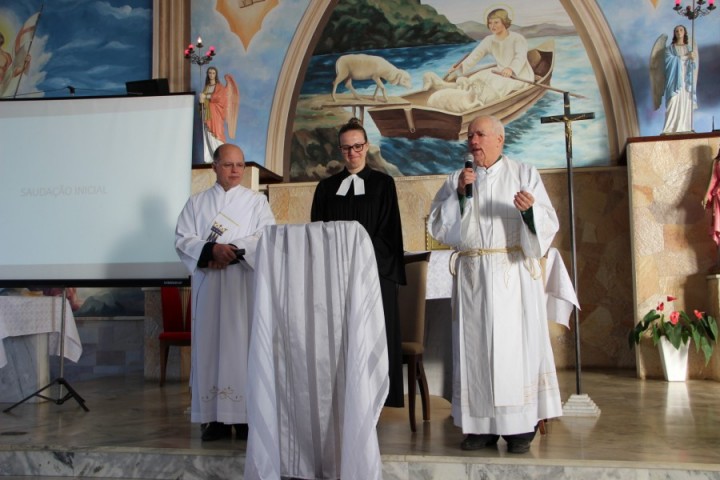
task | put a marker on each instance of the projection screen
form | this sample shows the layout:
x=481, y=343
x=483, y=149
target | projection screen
x=90, y=190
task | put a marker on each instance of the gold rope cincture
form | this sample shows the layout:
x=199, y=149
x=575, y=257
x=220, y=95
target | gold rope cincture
x=477, y=252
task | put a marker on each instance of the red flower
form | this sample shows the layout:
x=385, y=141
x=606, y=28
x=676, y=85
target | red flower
x=670, y=298
x=698, y=314
x=660, y=307
x=674, y=317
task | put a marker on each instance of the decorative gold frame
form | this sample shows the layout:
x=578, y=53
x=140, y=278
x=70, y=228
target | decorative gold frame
x=431, y=243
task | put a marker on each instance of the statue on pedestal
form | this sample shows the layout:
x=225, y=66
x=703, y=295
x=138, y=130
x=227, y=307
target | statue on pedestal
x=711, y=201
x=673, y=75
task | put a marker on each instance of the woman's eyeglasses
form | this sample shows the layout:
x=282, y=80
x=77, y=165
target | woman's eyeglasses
x=357, y=147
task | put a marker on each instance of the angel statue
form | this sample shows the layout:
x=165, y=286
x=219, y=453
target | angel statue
x=219, y=104
x=673, y=74
x=711, y=201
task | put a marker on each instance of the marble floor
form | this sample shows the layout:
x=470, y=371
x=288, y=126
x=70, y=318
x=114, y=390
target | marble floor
x=136, y=429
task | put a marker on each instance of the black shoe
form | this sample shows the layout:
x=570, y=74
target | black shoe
x=216, y=431
x=518, y=446
x=241, y=431
x=476, y=442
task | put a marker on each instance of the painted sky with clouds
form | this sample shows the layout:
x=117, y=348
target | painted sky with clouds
x=75, y=39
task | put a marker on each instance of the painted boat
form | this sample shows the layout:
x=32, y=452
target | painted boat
x=415, y=119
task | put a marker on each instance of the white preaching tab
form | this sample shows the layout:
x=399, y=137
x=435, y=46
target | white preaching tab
x=359, y=185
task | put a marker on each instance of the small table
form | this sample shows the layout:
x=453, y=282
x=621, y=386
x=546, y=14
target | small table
x=439, y=279
x=32, y=323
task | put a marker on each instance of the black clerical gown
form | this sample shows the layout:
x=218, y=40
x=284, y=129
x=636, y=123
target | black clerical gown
x=377, y=210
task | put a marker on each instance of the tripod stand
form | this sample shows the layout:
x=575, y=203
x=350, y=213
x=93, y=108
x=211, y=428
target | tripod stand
x=60, y=381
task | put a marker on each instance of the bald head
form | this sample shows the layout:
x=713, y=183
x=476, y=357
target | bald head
x=228, y=165
x=486, y=137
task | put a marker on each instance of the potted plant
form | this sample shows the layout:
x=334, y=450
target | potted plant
x=677, y=330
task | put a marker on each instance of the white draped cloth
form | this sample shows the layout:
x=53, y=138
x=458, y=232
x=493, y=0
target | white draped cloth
x=561, y=296
x=221, y=299
x=29, y=315
x=504, y=377
x=318, y=355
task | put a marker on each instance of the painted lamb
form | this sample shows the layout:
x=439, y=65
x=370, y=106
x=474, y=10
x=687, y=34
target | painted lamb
x=359, y=66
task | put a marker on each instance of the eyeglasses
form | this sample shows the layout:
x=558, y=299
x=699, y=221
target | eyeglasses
x=357, y=147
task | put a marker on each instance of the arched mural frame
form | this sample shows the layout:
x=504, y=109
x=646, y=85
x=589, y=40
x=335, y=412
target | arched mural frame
x=288, y=85
x=610, y=72
x=589, y=22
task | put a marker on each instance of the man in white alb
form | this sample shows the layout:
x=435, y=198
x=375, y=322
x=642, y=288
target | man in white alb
x=504, y=378
x=215, y=237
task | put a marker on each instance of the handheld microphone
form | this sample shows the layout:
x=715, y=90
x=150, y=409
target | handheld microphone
x=469, y=164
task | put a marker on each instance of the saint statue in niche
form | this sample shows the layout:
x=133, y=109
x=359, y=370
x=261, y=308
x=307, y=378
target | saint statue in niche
x=711, y=201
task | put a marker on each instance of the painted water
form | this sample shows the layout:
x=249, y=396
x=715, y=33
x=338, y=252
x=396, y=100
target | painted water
x=526, y=139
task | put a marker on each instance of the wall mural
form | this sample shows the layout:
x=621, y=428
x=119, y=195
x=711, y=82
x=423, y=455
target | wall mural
x=418, y=121
x=424, y=39
x=76, y=48
x=636, y=27
x=250, y=38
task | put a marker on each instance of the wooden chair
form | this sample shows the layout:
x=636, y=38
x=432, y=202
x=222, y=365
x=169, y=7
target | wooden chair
x=411, y=306
x=176, y=323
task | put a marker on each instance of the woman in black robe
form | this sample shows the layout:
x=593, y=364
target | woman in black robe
x=369, y=197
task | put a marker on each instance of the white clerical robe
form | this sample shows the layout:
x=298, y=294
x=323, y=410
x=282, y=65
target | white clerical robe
x=318, y=355
x=504, y=377
x=221, y=299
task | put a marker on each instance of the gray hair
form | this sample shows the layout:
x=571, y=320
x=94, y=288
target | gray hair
x=497, y=125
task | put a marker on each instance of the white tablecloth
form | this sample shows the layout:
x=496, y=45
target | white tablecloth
x=31, y=315
x=318, y=368
x=439, y=279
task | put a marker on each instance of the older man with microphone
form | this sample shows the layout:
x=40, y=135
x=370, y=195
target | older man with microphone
x=497, y=216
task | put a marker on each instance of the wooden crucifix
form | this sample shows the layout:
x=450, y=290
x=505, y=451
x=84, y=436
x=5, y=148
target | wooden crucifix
x=567, y=118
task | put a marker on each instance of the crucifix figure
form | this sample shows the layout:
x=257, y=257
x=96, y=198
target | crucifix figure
x=567, y=118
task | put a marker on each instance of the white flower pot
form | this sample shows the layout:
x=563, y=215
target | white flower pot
x=674, y=360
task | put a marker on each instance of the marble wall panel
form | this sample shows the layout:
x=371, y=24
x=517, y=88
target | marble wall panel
x=672, y=252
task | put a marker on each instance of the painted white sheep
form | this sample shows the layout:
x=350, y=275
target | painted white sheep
x=457, y=100
x=359, y=66
x=433, y=81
